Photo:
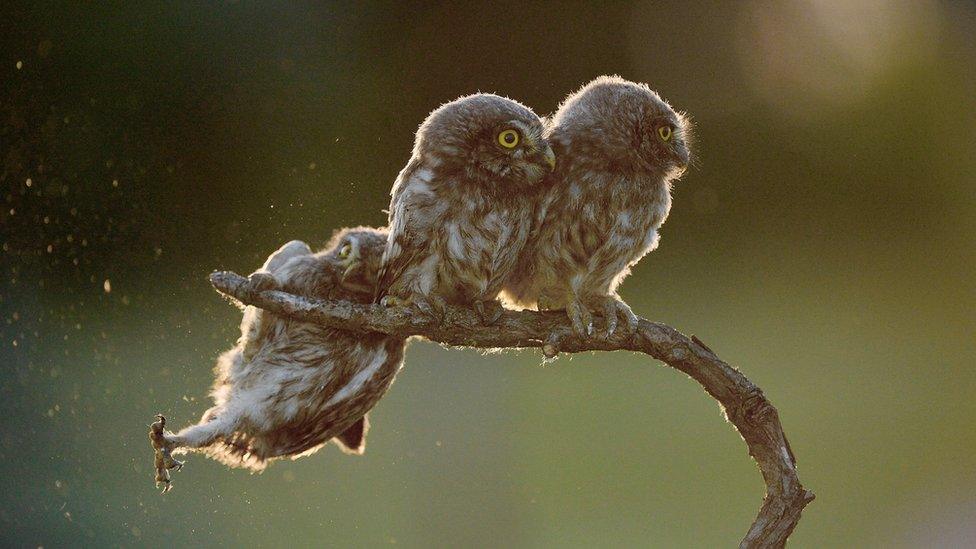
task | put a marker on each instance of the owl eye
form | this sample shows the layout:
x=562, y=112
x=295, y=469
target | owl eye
x=664, y=132
x=508, y=139
x=345, y=251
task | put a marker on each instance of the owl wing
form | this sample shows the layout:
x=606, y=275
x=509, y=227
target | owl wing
x=407, y=240
x=254, y=318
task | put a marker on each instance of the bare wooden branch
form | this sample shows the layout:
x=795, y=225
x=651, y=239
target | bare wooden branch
x=745, y=404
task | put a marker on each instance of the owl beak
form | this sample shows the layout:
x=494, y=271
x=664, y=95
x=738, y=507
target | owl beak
x=684, y=157
x=549, y=157
x=353, y=265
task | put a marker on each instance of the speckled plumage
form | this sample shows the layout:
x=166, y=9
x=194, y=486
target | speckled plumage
x=460, y=210
x=601, y=208
x=289, y=387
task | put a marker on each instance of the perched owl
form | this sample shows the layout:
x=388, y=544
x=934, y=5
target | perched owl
x=620, y=147
x=461, y=208
x=288, y=387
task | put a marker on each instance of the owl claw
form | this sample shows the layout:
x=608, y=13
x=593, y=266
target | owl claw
x=432, y=307
x=489, y=311
x=610, y=317
x=580, y=317
x=163, y=449
x=615, y=309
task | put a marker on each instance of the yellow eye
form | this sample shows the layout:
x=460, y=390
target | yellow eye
x=508, y=139
x=665, y=133
x=345, y=251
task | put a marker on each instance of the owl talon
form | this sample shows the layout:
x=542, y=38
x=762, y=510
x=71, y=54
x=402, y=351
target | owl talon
x=610, y=317
x=163, y=447
x=432, y=307
x=489, y=311
x=581, y=318
x=615, y=309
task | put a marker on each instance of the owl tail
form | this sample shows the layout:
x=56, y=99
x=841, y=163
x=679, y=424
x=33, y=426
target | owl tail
x=353, y=439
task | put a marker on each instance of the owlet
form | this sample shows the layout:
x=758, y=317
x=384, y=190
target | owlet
x=288, y=387
x=461, y=208
x=620, y=147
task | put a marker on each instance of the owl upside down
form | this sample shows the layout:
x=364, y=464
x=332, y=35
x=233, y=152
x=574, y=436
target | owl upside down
x=289, y=387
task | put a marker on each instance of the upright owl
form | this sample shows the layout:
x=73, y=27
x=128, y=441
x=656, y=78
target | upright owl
x=462, y=207
x=620, y=147
x=288, y=387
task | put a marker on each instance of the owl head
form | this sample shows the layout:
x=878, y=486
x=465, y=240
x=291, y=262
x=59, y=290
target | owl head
x=356, y=253
x=487, y=139
x=619, y=125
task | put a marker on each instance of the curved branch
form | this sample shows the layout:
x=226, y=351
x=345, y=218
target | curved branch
x=745, y=404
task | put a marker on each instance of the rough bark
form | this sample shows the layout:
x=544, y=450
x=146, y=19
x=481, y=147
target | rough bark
x=745, y=405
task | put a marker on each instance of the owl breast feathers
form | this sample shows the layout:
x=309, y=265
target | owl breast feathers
x=620, y=146
x=289, y=387
x=461, y=209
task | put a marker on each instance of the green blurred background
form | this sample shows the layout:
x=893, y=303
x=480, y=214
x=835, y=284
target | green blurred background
x=825, y=245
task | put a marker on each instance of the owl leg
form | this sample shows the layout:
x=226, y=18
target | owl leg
x=204, y=433
x=614, y=309
x=163, y=460
x=489, y=311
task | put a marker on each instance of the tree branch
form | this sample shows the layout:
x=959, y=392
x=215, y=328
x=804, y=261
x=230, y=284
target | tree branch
x=745, y=404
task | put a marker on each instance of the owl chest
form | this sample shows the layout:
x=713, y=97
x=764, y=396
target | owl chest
x=478, y=243
x=615, y=218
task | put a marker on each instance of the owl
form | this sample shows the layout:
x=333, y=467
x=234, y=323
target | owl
x=462, y=207
x=620, y=148
x=288, y=387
